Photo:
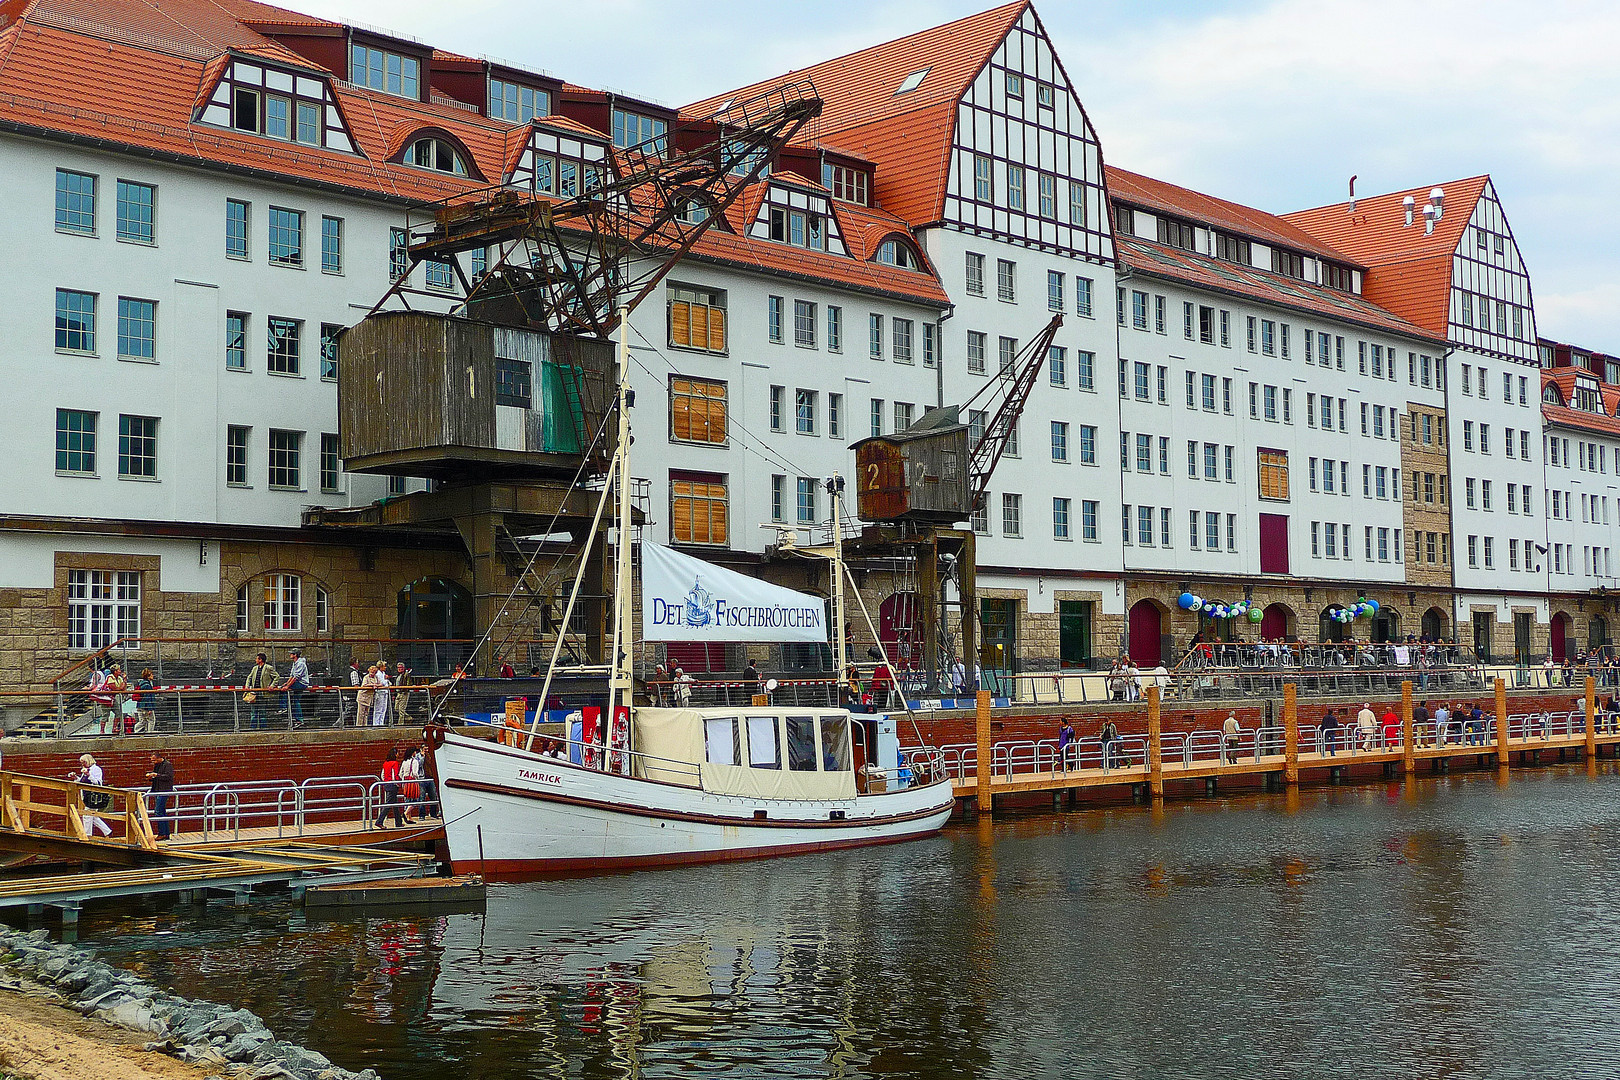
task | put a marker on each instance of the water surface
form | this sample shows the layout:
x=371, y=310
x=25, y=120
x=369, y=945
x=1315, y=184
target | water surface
x=1459, y=927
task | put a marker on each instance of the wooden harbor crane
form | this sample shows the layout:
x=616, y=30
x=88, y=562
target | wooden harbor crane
x=505, y=402
x=916, y=487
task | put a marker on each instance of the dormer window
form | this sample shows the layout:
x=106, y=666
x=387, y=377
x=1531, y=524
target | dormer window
x=896, y=252
x=1233, y=249
x=1176, y=234
x=1587, y=399
x=1550, y=395
x=691, y=209
x=1287, y=263
x=1338, y=277
x=391, y=72
x=744, y=160
x=279, y=104
x=799, y=228
x=633, y=129
x=559, y=162
x=436, y=154
x=516, y=103
x=846, y=183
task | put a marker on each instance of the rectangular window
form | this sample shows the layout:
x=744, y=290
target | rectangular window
x=1231, y=457
x=975, y=352
x=75, y=441
x=1212, y=531
x=1085, y=370
x=1192, y=529
x=779, y=498
x=1012, y=515
x=515, y=103
x=644, y=132
x=1088, y=519
x=287, y=237
x=1006, y=280
x=902, y=331
x=1253, y=343
x=331, y=245
x=1141, y=381
x=1082, y=297
x=975, y=274
x=329, y=350
x=1060, y=518
x=773, y=319
x=877, y=422
x=286, y=451
x=697, y=410
x=236, y=229
x=1060, y=440
x=930, y=346
x=236, y=453
x=1273, y=474
x=235, y=341
x=283, y=356
x=1077, y=203
x=103, y=607
x=1159, y=326
x=1212, y=461
x=1088, y=444
x=1268, y=337
x=806, y=501
x=390, y=72
x=874, y=336
x=698, y=508
x=136, y=208
x=1057, y=365
x=137, y=329
x=1144, y=453
x=331, y=465
x=1226, y=329
x=1139, y=309
x=1144, y=526
x=137, y=447
x=75, y=321
x=1015, y=187
x=1269, y=397
x=804, y=412
x=804, y=324
x=1054, y=290
x=835, y=328
x=75, y=202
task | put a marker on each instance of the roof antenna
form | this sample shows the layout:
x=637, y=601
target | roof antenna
x=1408, y=204
x=1352, y=194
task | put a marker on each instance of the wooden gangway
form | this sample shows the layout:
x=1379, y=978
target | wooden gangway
x=1147, y=763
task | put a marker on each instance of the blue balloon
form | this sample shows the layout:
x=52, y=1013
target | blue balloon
x=1372, y=605
x=1186, y=601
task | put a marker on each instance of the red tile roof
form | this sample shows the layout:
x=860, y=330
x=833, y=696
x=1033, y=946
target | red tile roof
x=1150, y=194
x=859, y=104
x=1190, y=268
x=141, y=70
x=1409, y=272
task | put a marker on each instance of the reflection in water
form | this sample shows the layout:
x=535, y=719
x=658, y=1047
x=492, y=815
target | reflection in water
x=1438, y=930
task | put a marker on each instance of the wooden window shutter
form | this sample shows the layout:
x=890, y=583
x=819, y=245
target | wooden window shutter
x=680, y=323
x=717, y=413
x=699, y=337
x=680, y=511
x=680, y=408
x=717, y=329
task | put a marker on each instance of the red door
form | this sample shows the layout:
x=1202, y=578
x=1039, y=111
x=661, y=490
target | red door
x=1274, y=624
x=900, y=629
x=1145, y=634
x=1274, y=543
x=1560, y=636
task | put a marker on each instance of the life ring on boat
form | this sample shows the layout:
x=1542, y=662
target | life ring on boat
x=433, y=735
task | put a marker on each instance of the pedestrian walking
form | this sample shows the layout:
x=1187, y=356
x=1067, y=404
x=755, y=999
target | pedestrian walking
x=161, y=781
x=1367, y=725
x=1330, y=732
x=430, y=789
x=90, y=773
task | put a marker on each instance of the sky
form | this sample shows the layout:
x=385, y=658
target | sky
x=1270, y=104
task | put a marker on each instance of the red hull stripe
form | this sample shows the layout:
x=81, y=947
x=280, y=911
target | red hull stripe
x=702, y=819
x=517, y=869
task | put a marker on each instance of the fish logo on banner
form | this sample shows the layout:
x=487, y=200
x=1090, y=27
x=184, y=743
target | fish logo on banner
x=699, y=604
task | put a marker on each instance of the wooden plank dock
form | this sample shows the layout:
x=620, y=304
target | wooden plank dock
x=997, y=769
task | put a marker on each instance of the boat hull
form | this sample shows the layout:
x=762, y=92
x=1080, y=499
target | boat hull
x=510, y=813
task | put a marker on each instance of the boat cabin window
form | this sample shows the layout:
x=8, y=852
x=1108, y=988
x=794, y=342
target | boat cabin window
x=721, y=741
x=801, y=743
x=835, y=744
x=763, y=750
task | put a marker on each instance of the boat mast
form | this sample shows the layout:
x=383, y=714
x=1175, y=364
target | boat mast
x=621, y=684
x=835, y=488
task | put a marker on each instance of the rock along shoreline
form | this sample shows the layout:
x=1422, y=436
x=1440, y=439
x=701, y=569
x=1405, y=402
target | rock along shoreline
x=234, y=1042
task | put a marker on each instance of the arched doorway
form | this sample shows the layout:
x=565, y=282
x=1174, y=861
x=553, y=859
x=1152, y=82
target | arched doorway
x=900, y=629
x=1434, y=624
x=1560, y=636
x=1215, y=629
x=1386, y=624
x=1146, y=634
x=1597, y=635
x=1277, y=622
x=1330, y=629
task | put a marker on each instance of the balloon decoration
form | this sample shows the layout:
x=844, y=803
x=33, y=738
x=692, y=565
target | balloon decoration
x=1256, y=615
x=1218, y=609
x=1350, y=613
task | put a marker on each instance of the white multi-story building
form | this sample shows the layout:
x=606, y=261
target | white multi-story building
x=220, y=189
x=1444, y=258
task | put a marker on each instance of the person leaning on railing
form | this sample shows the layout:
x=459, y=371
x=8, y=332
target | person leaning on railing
x=260, y=677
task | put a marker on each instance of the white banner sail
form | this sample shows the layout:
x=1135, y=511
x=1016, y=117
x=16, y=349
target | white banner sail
x=687, y=599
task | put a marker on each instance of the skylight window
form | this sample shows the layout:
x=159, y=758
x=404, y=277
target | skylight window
x=912, y=81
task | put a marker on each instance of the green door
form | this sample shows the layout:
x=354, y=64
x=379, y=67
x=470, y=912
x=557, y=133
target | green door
x=1074, y=633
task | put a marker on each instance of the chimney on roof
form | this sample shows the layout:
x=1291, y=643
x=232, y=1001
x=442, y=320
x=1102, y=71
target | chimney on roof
x=1429, y=215
x=1352, y=194
x=1437, y=199
x=1408, y=204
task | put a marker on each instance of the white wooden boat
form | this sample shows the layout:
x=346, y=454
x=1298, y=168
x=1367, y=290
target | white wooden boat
x=704, y=785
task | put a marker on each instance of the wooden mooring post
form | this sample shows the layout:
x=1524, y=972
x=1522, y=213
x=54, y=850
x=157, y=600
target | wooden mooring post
x=1591, y=718
x=1408, y=743
x=1501, y=725
x=1291, y=735
x=1155, y=749
x=985, y=767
